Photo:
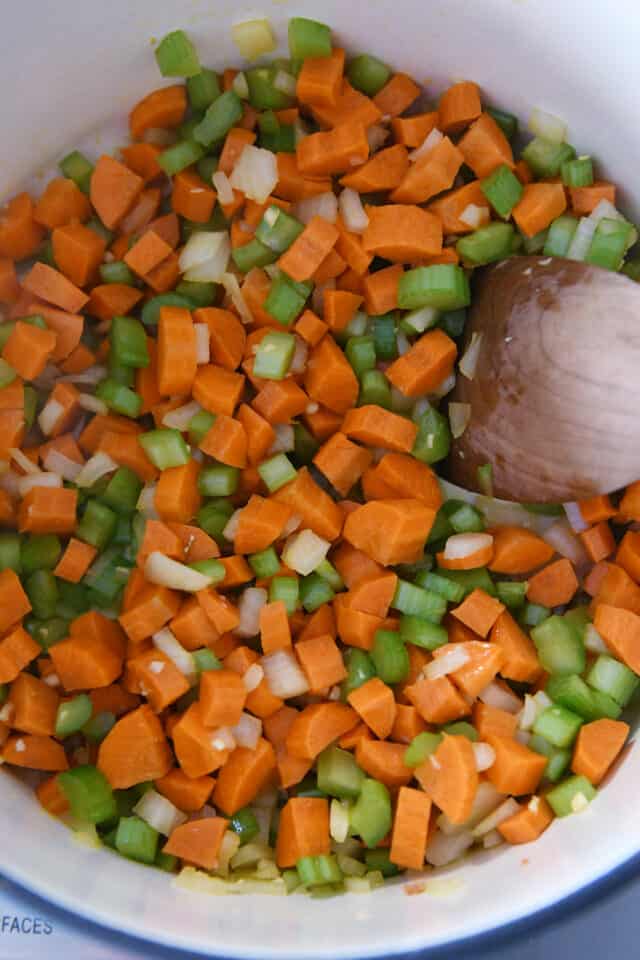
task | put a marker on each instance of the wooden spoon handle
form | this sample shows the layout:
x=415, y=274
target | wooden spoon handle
x=555, y=400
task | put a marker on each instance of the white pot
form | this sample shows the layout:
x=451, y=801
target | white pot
x=70, y=72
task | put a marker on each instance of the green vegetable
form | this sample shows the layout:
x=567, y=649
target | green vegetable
x=218, y=480
x=318, y=870
x=136, y=840
x=203, y=88
x=285, y=589
x=308, y=38
x=181, y=155
x=390, y=656
x=165, y=448
x=374, y=388
x=176, y=56
x=88, y=793
x=244, y=823
x=368, y=74
x=443, y=286
x=73, y=714
x=613, y=678
x=558, y=725
x=422, y=747
x=360, y=669
x=502, y=189
x=37, y=552
x=276, y=472
x=434, y=437
x=545, y=158
x=314, y=592
x=559, y=646
x=286, y=299
x=274, y=355
x=486, y=245
x=338, y=773
x=97, y=525
x=578, y=172
x=277, y=230
x=572, y=796
x=76, y=167
x=417, y=602
x=129, y=342
x=119, y=398
x=371, y=813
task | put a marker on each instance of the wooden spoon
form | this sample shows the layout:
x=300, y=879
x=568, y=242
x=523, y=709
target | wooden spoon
x=555, y=395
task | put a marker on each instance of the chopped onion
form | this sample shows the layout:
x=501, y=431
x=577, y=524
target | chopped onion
x=203, y=353
x=97, y=466
x=170, y=573
x=304, y=551
x=448, y=662
x=249, y=854
x=255, y=173
x=339, y=820
x=39, y=479
x=223, y=739
x=205, y=256
x=147, y=502
x=542, y=701
x=497, y=512
x=247, y=731
x=459, y=546
x=159, y=812
x=23, y=461
x=528, y=714
x=180, y=418
x=91, y=375
x=487, y=798
x=285, y=439
x=232, y=289
x=240, y=86
x=485, y=756
x=231, y=528
x=165, y=641
x=459, y=417
x=376, y=135
x=564, y=541
x=285, y=83
x=496, y=695
x=445, y=387
x=492, y=839
x=422, y=318
x=49, y=416
x=228, y=848
x=593, y=641
x=6, y=713
x=93, y=404
x=223, y=187
x=323, y=205
x=443, y=849
x=430, y=141
x=403, y=344
x=253, y=38
x=503, y=812
x=264, y=816
x=253, y=677
x=251, y=603
x=353, y=213
x=291, y=525
x=474, y=216
x=300, y=355
x=547, y=126
x=284, y=675
x=469, y=360
x=575, y=518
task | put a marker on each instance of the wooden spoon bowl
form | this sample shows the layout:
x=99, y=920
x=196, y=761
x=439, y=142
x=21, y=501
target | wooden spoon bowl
x=555, y=395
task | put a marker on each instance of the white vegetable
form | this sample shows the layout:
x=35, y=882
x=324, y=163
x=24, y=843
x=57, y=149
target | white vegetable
x=323, y=205
x=445, y=387
x=593, y=641
x=253, y=38
x=170, y=573
x=422, y=319
x=459, y=417
x=240, y=86
x=503, y=812
x=485, y=756
x=166, y=642
x=376, y=135
x=180, y=418
x=339, y=820
x=403, y=343
x=430, y=141
x=228, y=848
x=203, y=353
x=443, y=849
x=487, y=798
x=300, y=356
x=247, y=731
x=97, y=466
x=448, y=662
x=255, y=173
x=562, y=538
x=147, y=502
x=474, y=216
x=56, y=462
x=528, y=714
x=469, y=359
x=284, y=675
x=49, y=416
x=253, y=677
x=205, y=256
x=159, y=812
x=575, y=518
x=547, y=126
x=581, y=241
x=223, y=187
x=38, y=479
x=304, y=551
x=285, y=439
x=285, y=83
x=94, y=404
x=353, y=213
x=231, y=528
x=251, y=603
x=492, y=839
x=249, y=854
x=232, y=289
x=495, y=695
x=459, y=546
x=223, y=739
x=91, y=375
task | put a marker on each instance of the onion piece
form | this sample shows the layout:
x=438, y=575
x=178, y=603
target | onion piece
x=474, y=216
x=251, y=603
x=496, y=695
x=180, y=418
x=49, y=416
x=93, y=404
x=223, y=187
x=240, y=86
x=159, y=812
x=25, y=464
x=446, y=663
x=492, y=839
x=300, y=356
x=459, y=417
x=203, y=352
x=430, y=141
x=353, y=213
x=285, y=439
x=487, y=798
x=247, y=731
x=575, y=518
x=304, y=551
x=581, y=241
x=561, y=537
x=547, y=126
x=323, y=205
x=285, y=83
x=232, y=289
x=231, y=527
x=147, y=502
x=223, y=739
x=339, y=820
x=376, y=136
x=469, y=359
x=39, y=479
x=284, y=674
x=459, y=546
x=253, y=38
x=503, y=812
x=485, y=756
x=165, y=641
x=57, y=462
x=443, y=849
x=253, y=677
x=255, y=173
x=205, y=256
x=170, y=573
x=402, y=343
x=97, y=466
x=91, y=375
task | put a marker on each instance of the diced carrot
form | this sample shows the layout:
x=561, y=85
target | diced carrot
x=331, y=267
x=355, y=628
x=320, y=79
x=34, y=705
x=157, y=678
x=243, y=776
x=52, y=286
x=407, y=724
x=110, y=300
x=554, y=585
x=540, y=205
x=134, y=750
x=517, y=550
x=492, y=721
x=628, y=554
x=378, y=427
x=62, y=202
x=390, y=531
x=85, y=662
x=342, y=462
x=28, y=349
x=593, y=580
x=227, y=336
x=449, y=777
x=35, y=753
x=75, y=561
x=375, y=703
x=410, y=829
x=311, y=328
x=153, y=608
x=9, y=286
x=17, y=650
x=142, y=158
x=397, y=94
x=280, y=401
x=197, y=842
x=114, y=190
x=450, y=207
x=78, y=252
x=192, y=627
x=374, y=594
x=48, y=510
x=303, y=830
x=402, y=233
x=321, y=661
x=432, y=173
x=479, y=612
x=113, y=699
x=620, y=630
x=20, y=233
x=384, y=171
x=329, y=377
x=528, y=823
x=384, y=761
x=353, y=565
x=236, y=572
x=413, y=131
x=146, y=253
x=275, y=631
x=339, y=308
x=437, y=701
x=349, y=246
x=52, y=798
x=177, y=497
x=595, y=509
x=333, y=151
x=425, y=366
x=307, y=252
x=599, y=542
x=380, y=289
x=293, y=185
x=520, y=657
x=177, y=362
x=597, y=746
x=186, y=793
x=317, y=726
x=516, y=769
x=618, y=589
x=222, y=698
x=261, y=522
x=217, y=390
x=164, y=108
x=458, y=107
x=485, y=147
x=192, y=198
x=194, y=745
x=142, y=212
x=318, y=511
x=351, y=106
x=584, y=200
x=351, y=739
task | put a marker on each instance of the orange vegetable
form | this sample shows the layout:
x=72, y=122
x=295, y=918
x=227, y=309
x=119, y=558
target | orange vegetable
x=317, y=726
x=62, y=202
x=516, y=769
x=450, y=207
x=384, y=761
x=595, y=509
x=402, y=233
x=479, y=612
x=320, y=79
x=342, y=462
x=528, y=823
x=380, y=289
x=157, y=678
x=517, y=550
x=134, y=750
x=303, y=830
x=9, y=286
x=307, y=252
x=540, y=205
x=227, y=336
x=217, y=390
x=34, y=705
x=352, y=106
x=177, y=497
x=114, y=190
x=333, y=151
x=318, y=511
x=432, y=173
x=424, y=367
x=628, y=554
x=311, y=328
x=437, y=701
x=147, y=253
x=243, y=776
x=20, y=234
x=322, y=662
x=375, y=703
x=410, y=829
x=355, y=628
x=407, y=724
x=113, y=299
x=458, y=107
x=384, y=171
x=142, y=158
x=195, y=746
x=51, y=797
x=374, y=594
x=329, y=377
x=226, y=442
x=599, y=542
x=28, y=349
x=396, y=95
x=161, y=108
x=186, y=793
x=48, y=510
x=390, y=531
x=17, y=650
x=584, y=200
x=620, y=630
x=450, y=779
x=554, y=585
x=192, y=197
x=618, y=589
x=198, y=841
x=222, y=698
x=153, y=608
x=378, y=427
x=339, y=308
x=275, y=631
x=35, y=753
x=45, y=282
x=75, y=561
x=84, y=662
x=597, y=746
x=520, y=657
x=78, y=252
x=492, y=721
x=485, y=147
